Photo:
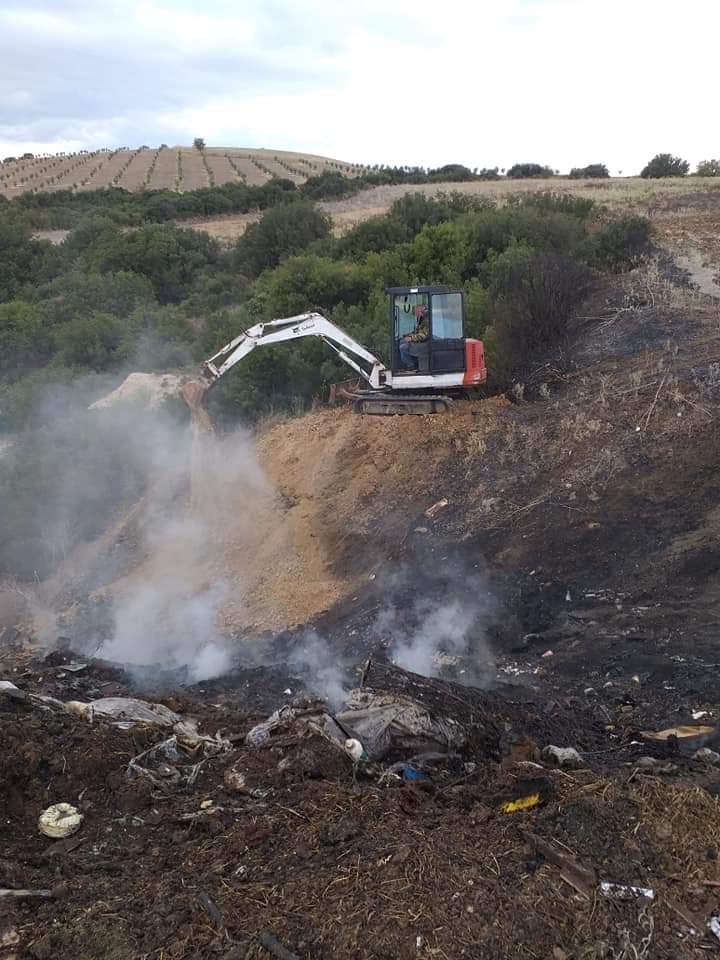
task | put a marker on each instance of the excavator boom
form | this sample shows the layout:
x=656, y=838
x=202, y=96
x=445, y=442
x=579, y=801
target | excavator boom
x=292, y=328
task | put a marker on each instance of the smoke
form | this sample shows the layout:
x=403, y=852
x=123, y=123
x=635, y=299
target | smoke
x=321, y=668
x=440, y=623
x=122, y=515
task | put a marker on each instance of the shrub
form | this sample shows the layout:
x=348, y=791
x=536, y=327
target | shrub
x=619, y=245
x=534, y=295
x=587, y=173
x=283, y=231
x=526, y=170
x=708, y=168
x=488, y=173
x=549, y=202
x=328, y=185
x=665, y=165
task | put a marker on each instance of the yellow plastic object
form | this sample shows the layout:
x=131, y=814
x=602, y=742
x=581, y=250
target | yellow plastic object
x=524, y=803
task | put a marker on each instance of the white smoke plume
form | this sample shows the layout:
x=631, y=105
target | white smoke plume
x=321, y=667
x=427, y=628
x=121, y=516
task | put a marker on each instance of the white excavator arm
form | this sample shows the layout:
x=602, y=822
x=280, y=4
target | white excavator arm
x=291, y=328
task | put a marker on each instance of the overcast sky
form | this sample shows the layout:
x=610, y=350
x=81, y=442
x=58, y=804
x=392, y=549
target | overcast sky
x=559, y=82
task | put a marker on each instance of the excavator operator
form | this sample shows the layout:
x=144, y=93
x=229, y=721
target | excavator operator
x=419, y=335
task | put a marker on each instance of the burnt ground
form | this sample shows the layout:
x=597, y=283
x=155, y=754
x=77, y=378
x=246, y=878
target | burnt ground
x=588, y=513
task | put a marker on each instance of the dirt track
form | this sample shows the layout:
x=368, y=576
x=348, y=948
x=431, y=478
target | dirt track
x=589, y=512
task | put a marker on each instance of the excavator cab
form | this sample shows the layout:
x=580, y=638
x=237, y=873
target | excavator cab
x=438, y=354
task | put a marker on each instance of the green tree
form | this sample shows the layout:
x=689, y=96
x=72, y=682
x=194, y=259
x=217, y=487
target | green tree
x=170, y=257
x=199, y=143
x=527, y=170
x=665, y=165
x=24, y=340
x=284, y=230
x=708, y=168
x=598, y=170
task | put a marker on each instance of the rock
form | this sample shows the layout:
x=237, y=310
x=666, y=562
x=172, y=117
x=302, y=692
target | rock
x=563, y=756
x=706, y=755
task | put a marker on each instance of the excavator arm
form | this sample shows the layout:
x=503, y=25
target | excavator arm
x=292, y=328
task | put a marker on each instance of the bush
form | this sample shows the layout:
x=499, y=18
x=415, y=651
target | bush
x=283, y=231
x=534, y=295
x=619, y=245
x=549, y=202
x=665, y=165
x=526, y=170
x=589, y=172
x=170, y=257
x=708, y=168
x=330, y=185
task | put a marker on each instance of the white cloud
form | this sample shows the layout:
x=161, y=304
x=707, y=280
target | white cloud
x=562, y=82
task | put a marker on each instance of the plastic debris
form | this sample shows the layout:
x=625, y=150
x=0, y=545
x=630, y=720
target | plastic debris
x=436, y=508
x=9, y=690
x=125, y=711
x=688, y=738
x=706, y=755
x=714, y=926
x=699, y=714
x=60, y=820
x=621, y=891
x=384, y=722
x=355, y=749
x=260, y=734
x=563, y=756
x=235, y=780
x=524, y=803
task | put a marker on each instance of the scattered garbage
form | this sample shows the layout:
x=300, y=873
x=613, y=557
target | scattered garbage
x=235, y=780
x=60, y=820
x=656, y=765
x=524, y=803
x=383, y=722
x=700, y=714
x=5, y=893
x=687, y=738
x=706, y=755
x=714, y=926
x=355, y=749
x=436, y=508
x=9, y=690
x=125, y=711
x=178, y=760
x=621, y=891
x=563, y=756
x=260, y=734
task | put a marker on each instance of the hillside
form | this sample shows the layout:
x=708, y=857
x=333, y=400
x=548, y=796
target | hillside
x=534, y=571
x=579, y=527
x=170, y=168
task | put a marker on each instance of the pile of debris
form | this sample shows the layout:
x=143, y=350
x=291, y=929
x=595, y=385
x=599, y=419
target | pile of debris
x=420, y=820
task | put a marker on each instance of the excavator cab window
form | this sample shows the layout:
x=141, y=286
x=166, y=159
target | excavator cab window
x=408, y=310
x=443, y=350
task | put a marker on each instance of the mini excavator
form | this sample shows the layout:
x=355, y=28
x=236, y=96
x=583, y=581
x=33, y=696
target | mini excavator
x=431, y=359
